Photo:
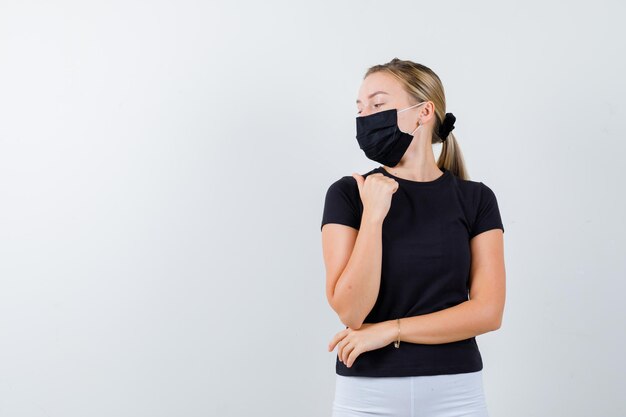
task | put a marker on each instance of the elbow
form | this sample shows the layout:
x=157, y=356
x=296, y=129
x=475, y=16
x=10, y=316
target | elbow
x=495, y=321
x=346, y=313
x=491, y=315
x=352, y=323
x=348, y=319
x=495, y=325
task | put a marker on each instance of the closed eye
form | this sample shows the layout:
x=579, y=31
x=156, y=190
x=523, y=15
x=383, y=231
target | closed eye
x=375, y=106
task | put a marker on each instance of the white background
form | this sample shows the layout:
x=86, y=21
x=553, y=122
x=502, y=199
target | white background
x=162, y=173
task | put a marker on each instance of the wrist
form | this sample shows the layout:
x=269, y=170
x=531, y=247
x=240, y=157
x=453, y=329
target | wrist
x=391, y=331
x=371, y=219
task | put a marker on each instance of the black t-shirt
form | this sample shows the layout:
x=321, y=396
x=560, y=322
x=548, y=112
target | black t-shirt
x=425, y=265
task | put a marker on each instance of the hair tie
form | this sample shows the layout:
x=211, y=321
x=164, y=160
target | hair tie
x=447, y=126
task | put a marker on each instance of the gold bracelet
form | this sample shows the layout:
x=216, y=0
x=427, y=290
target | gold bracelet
x=397, y=342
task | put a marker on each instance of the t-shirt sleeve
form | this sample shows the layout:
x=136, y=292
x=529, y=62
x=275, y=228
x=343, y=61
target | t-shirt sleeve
x=341, y=204
x=487, y=213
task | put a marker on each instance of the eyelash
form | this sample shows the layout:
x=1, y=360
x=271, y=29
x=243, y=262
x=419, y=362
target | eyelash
x=379, y=104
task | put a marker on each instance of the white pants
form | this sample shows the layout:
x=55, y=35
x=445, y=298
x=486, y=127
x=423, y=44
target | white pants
x=452, y=395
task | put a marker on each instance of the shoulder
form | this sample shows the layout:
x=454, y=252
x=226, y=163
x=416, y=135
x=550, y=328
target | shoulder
x=473, y=191
x=343, y=202
x=347, y=183
x=481, y=206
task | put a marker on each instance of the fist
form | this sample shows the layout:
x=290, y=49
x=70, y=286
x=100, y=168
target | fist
x=376, y=191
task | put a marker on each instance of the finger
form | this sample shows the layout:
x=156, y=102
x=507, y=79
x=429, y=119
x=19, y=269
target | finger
x=336, y=339
x=359, y=181
x=332, y=343
x=352, y=357
x=345, y=353
x=339, y=347
x=345, y=342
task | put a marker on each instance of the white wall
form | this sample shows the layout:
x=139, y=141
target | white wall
x=162, y=173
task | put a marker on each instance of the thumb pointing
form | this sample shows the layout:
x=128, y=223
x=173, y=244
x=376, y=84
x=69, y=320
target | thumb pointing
x=359, y=180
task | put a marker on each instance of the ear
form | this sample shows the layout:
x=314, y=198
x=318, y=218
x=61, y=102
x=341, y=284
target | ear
x=427, y=112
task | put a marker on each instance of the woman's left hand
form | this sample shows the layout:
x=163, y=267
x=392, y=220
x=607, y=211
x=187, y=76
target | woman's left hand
x=351, y=343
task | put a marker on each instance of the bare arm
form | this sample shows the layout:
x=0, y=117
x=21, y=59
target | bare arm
x=353, y=260
x=482, y=313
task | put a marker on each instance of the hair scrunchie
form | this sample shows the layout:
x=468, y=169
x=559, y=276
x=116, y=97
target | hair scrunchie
x=447, y=126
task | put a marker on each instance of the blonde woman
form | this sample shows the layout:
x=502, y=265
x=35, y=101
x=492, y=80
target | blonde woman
x=414, y=258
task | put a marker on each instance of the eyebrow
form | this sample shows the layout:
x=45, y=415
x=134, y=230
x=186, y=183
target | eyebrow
x=372, y=95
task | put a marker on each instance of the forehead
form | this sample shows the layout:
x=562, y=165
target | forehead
x=379, y=81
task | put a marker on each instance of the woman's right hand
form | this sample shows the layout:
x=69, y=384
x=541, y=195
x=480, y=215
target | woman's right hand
x=376, y=191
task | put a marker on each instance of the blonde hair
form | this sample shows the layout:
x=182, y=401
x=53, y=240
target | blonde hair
x=422, y=84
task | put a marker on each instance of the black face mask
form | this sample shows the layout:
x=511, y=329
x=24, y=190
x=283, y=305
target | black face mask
x=380, y=137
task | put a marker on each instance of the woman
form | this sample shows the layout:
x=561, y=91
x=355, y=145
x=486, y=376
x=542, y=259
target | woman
x=414, y=258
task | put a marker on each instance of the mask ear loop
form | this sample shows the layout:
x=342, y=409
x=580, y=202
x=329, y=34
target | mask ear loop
x=418, y=123
x=418, y=126
x=410, y=107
